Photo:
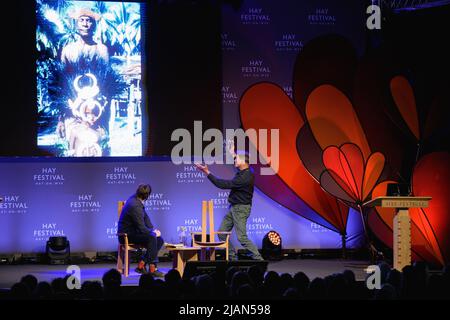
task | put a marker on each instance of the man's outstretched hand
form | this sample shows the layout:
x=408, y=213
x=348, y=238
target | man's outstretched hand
x=202, y=168
x=230, y=147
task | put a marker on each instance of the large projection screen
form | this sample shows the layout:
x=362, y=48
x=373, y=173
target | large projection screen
x=89, y=78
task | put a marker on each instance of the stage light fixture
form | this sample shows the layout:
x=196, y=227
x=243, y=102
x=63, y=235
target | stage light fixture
x=272, y=246
x=58, y=250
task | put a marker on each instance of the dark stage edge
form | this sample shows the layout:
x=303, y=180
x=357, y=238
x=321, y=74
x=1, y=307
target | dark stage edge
x=10, y=274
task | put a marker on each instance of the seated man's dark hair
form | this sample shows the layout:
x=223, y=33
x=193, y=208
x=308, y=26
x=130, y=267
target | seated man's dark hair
x=143, y=191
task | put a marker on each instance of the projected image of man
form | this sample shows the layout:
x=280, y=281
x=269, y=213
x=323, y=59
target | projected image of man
x=85, y=46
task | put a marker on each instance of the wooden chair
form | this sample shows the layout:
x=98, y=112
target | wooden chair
x=209, y=242
x=123, y=261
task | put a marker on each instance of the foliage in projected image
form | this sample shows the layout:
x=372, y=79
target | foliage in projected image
x=89, y=89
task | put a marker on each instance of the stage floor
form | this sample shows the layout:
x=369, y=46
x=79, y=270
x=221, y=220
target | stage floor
x=10, y=274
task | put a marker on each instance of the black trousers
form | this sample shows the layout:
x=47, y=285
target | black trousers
x=152, y=243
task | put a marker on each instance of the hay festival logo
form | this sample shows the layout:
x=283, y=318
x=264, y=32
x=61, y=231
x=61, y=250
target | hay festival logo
x=255, y=16
x=256, y=68
x=322, y=16
x=48, y=177
x=13, y=204
x=46, y=230
x=189, y=174
x=228, y=44
x=85, y=203
x=288, y=43
x=229, y=95
x=120, y=175
x=158, y=202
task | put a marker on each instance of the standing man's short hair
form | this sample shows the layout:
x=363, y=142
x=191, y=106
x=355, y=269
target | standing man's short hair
x=143, y=191
x=244, y=157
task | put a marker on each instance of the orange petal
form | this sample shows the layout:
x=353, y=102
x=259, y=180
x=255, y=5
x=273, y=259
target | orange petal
x=431, y=177
x=339, y=167
x=333, y=120
x=266, y=106
x=406, y=103
x=355, y=160
x=419, y=218
x=386, y=214
x=374, y=168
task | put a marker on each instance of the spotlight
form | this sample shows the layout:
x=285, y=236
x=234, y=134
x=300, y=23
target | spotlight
x=58, y=250
x=271, y=246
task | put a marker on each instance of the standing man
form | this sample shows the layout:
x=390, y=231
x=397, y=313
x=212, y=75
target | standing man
x=240, y=200
x=135, y=222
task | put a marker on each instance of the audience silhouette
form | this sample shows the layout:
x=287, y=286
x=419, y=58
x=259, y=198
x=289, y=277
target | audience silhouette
x=413, y=282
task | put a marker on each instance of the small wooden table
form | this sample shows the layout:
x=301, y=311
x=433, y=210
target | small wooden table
x=181, y=255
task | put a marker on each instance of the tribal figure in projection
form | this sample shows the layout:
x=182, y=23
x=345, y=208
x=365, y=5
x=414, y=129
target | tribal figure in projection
x=84, y=135
x=89, y=78
x=85, y=46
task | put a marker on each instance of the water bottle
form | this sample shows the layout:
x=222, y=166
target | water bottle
x=182, y=236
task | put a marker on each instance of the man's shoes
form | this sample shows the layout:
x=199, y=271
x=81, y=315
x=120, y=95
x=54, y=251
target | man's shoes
x=141, y=267
x=157, y=274
x=141, y=270
x=154, y=272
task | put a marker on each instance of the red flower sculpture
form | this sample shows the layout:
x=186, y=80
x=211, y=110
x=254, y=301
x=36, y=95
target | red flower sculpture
x=340, y=113
x=347, y=175
x=292, y=186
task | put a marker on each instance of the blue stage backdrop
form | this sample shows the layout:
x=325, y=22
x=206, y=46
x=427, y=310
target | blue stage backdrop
x=79, y=200
x=262, y=38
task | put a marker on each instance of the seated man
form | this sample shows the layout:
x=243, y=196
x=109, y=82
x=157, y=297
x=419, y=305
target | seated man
x=135, y=222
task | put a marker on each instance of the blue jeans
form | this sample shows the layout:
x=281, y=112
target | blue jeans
x=237, y=217
x=152, y=243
